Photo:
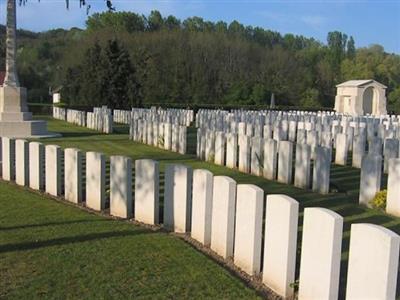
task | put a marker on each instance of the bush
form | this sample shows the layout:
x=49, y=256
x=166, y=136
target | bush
x=379, y=201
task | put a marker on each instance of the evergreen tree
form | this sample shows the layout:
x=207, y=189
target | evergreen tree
x=120, y=86
x=351, y=48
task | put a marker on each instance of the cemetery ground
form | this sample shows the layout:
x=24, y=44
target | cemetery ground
x=60, y=245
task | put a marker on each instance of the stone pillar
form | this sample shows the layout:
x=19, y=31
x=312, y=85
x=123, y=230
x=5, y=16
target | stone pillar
x=370, y=181
x=285, y=162
x=121, y=186
x=248, y=225
x=322, y=170
x=391, y=150
x=53, y=167
x=373, y=262
x=223, y=216
x=270, y=159
x=231, y=150
x=342, y=149
x=219, y=148
x=8, y=158
x=393, y=187
x=280, y=244
x=244, y=153
x=320, y=254
x=202, y=206
x=358, y=151
x=22, y=162
x=256, y=156
x=177, y=198
x=302, y=166
x=36, y=166
x=147, y=191
x=73, y=175
x=95, y=180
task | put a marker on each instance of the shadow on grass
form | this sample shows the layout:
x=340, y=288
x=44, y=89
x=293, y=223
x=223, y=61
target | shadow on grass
x=71, y=240
x=51, y=224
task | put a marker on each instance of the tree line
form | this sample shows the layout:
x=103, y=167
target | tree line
x=123, y=59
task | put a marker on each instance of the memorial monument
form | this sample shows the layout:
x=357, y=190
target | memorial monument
x=15, y=119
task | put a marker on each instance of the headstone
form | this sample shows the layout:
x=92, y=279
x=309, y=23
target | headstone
x=73, y=175
x=391, y=150
x=270, y=159
x=8, y=158
x=285, y=162
x=256, y=156
x=320, y=254
x=121, y=186
x=22, y=162
x=375, y=146
x=302, y=166
x=370, y=181
x=244, y=153
x=219, y=148
x=95, y=180
x=231, y=150
x=177, y=198
x=373, y=262
x=248, y=225
x=223, y=216
x=322, y=170
x=36, y=166
x=393, y=187
x=53, y=169
x=147, y=191
x=342, y=149
x=202, y=206
x=280, y=244
x=358, y=151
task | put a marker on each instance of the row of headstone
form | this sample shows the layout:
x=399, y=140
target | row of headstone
x=182, y=117
x=100, y=119
x=172, y=137
x=220, y=214
x=268, y=158
x=301, y=127
x=59, y=113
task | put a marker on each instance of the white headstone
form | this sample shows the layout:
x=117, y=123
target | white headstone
x=21, y=162
x=53, y=169
x=36, y=166
x=73, y=175
x=147, y=191
x=320, y=254
x=248, y=235
x=370, y=180
x=223, y=216
x=121, y=186
x=373, y=263
x=95, y=180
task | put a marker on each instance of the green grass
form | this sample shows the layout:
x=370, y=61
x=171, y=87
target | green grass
x=53, y=250
x=344, y=179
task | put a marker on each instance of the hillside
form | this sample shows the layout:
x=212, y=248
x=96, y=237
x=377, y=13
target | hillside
x=124, y=59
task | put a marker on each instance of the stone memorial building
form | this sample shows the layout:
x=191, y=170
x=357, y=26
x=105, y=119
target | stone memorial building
x=361, y=97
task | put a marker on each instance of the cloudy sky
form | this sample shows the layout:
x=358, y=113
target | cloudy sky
x=369, y=21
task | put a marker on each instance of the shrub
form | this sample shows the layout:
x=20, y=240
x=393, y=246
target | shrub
x=379, y=201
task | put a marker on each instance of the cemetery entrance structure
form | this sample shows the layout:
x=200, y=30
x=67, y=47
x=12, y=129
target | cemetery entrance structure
x=361, y=97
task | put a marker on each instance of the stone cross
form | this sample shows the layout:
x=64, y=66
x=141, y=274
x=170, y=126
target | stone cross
x=11, y=78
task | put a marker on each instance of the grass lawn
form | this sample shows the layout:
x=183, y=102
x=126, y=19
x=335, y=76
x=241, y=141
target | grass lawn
x=345, y=180
x=54, y=250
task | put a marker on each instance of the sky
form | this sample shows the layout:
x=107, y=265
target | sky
x=368, y=21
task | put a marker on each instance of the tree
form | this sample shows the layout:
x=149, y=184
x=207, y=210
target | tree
x=155, y=21
x=351, y=48
x=121, y=85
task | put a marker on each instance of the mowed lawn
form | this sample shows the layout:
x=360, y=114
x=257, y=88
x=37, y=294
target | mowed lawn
x=54, y=250
x=344, y=184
